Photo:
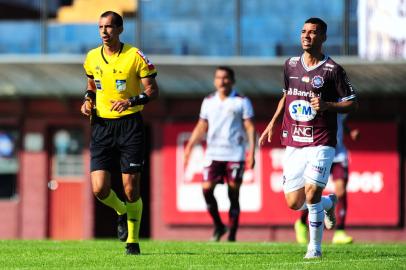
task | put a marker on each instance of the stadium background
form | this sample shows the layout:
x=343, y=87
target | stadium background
x=44, y=179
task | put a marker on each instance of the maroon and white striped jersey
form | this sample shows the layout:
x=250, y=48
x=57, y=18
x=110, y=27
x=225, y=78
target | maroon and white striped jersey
x=303, y=126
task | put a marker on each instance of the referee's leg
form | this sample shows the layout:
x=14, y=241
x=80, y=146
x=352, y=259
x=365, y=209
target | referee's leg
x=101, y=186
x=131, y=184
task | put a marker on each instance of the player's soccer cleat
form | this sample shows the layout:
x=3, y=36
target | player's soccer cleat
x=330, y=215
x=340, y=237
x=218, y=233
x=231, y=237
x=122, y=228
x=301, y=232
x=132, y=249
x=312, y=254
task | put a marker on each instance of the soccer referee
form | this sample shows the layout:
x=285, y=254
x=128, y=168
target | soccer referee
x=114, y=100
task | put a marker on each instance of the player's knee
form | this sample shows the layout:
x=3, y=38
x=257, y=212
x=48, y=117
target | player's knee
x=295, y=205
x=207, y=192
x=313, y=194
x=100, y=193
x=234, y=185
x=340, y=189
x=295, y=202
x=131, y=194
x=340, y=193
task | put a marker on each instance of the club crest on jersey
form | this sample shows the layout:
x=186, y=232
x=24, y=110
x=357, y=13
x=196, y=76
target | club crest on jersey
x=121, y=85
x=317, y=81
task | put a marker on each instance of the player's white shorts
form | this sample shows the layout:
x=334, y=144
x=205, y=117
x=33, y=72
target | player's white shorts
x=306, y=165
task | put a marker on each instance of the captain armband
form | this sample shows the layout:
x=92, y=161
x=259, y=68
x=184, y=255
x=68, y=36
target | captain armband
x=89, y=96
x=141, y=99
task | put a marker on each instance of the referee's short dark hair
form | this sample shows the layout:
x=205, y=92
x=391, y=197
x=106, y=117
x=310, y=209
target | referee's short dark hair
x=229, y=71
x=319, y=22
x=116, y=18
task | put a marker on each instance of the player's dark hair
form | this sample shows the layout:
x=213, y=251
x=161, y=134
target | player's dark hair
x=319, y=22
x=229, y=71
x=117, y=20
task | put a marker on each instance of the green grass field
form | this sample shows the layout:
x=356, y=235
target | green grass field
x=109, y=254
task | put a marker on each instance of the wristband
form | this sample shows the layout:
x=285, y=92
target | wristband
x=89, y=95
x=141, y=99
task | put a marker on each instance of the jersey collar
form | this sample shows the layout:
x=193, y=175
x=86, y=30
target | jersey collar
x=119, y=52
x=233, y=93
x=313, y=67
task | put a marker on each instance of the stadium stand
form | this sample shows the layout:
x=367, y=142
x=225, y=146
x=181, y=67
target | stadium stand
x=206, y=28
x=88, y=11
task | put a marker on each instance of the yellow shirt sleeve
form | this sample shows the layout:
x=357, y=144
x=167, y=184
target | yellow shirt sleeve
x=89, y=60
x=86, y=66
x=144, y=66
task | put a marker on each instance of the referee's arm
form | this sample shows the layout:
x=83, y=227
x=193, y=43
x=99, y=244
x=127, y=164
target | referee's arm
x=150, y=87
x=88, y=103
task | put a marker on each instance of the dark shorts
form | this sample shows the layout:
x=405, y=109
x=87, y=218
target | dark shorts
x=339, y=171
x=224, y=171
x=117, y=142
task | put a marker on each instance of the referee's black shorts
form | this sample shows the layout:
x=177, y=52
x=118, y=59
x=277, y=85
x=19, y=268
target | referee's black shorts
x=117, y=141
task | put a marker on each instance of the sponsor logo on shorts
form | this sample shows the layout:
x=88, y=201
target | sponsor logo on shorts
x=302, y=133
x=135, y=165
x=318, y=169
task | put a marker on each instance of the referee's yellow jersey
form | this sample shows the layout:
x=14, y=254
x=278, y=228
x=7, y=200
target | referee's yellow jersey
x=117, y=77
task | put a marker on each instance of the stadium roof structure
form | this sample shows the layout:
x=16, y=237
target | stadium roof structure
x=63, y=76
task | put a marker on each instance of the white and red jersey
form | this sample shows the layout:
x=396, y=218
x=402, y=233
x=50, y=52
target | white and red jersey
x=226, y=136
x=303, y=126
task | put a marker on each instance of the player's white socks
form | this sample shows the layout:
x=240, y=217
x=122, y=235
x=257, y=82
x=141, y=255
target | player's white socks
x=316, y=225
x=325, y=200
x=327, y=203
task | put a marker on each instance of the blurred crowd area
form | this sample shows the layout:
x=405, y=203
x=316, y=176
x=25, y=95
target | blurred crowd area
x=177, y=27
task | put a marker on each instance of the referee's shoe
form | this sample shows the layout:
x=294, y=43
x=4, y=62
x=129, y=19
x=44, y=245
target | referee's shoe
x=132, y=249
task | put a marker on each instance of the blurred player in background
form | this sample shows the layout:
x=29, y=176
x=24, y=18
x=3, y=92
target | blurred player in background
x=339, y=173
x=226, y=116
x=315, y=89
x=115, y=73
